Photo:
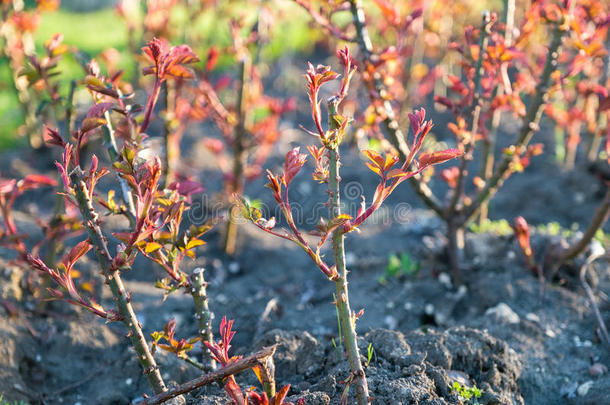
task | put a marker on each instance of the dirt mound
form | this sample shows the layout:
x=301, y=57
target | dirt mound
x=417, y=368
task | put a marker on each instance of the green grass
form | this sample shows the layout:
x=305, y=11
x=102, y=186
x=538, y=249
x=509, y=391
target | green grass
x=89, y=32
x=398, y=267
x=96, y=31
x=5, y=402
x=500, y=227
x=11, y=115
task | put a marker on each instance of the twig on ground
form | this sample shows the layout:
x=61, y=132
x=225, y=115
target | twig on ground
x=591, y=297
x=239, y=366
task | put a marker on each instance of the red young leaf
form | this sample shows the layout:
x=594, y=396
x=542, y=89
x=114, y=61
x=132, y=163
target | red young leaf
x=78, y=251
x=32, y=181
x=98, y=110
x=450, y=176
x=292, y=164
x=168, y=62
x=388, y=10
x=7, y=186
x=212, y=58
x=52, y=137
x=522, y=232
x=281, y=395
x=433, y=158
x=186, y=187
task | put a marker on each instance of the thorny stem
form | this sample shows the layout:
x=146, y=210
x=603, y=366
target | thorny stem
x=390, y=124
x=113, y=279
x=342, y=301
x=239, y=151
x=599, y=219
x=203, y=315
x=529, y=128
x=234, y=368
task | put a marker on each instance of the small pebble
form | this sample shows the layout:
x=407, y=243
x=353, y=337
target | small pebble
x=597, y=369
x=389, y=305
x=461, y=377
x=510, y=255
x=462, y=290
x=583, y=389
x=390, y=322
x=532, y=317
x=233, y=267
x=128, y=381
x=503, y=313
x=408, y=306
x=579, y=198
x=445, y=280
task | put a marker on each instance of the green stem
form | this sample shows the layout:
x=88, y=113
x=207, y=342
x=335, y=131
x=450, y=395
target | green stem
x=203, y=315
x=358, y=378
x=194, y=363
x=113, y=279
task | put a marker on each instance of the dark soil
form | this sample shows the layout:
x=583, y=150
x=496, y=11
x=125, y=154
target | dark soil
x=498, y=332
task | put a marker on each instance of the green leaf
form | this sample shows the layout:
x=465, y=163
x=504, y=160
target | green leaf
x=152, y=247
x=194, y=243
x=129, y=154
